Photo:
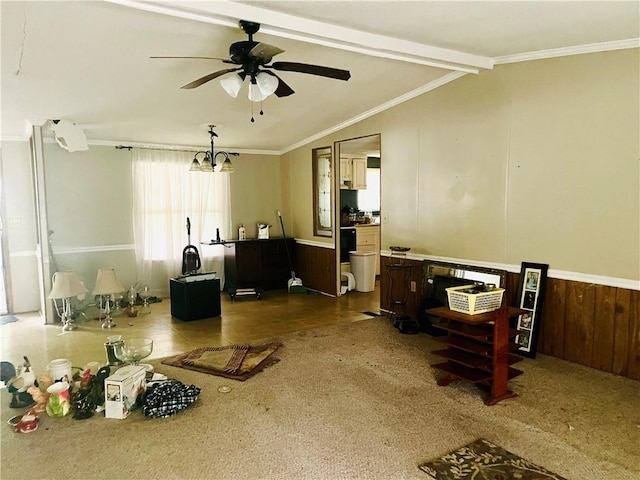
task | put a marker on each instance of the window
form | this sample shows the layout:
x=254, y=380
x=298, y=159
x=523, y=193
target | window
x=369, y=199
x=165, y=194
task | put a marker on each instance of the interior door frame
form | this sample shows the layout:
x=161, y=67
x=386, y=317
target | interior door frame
x=336, y=199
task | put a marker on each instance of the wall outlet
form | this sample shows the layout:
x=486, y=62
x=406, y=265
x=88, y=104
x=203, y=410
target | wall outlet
x=413, y=286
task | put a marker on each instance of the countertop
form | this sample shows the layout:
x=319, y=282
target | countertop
x=360, y=225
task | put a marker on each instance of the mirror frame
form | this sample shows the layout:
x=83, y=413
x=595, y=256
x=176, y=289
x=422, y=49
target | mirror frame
x=322, y=177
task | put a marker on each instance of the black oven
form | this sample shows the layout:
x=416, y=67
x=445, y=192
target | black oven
x=347, y=242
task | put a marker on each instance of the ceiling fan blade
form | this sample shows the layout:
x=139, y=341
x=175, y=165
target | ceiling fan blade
x=312, y=69
x=264, y=52
x=283, y=89
x=207, y=78
x=199, y=58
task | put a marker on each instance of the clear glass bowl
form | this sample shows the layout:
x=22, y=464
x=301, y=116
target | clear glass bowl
x=134, y=349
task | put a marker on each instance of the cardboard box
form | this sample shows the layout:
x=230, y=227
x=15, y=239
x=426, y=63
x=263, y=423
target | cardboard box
x=122, y=389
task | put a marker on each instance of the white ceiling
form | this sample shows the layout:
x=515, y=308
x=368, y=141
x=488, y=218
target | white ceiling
x=88, y=61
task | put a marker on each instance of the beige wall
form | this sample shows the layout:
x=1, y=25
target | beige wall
x=256, y=193
x=536, y=162
x=89, y=201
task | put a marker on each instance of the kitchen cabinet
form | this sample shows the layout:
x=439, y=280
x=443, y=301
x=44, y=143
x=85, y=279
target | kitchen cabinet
x=256, y=265
x=479, y=349
x=353, y=172
x=368, y=240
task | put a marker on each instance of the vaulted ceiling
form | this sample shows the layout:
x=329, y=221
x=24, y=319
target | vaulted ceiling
x=89, y=62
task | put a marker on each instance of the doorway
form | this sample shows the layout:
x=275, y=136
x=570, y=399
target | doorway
x=357, y=202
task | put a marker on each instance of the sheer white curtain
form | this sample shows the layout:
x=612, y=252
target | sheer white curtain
x=165, y=193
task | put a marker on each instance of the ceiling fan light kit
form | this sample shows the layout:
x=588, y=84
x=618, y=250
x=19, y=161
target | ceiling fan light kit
x=232, y=84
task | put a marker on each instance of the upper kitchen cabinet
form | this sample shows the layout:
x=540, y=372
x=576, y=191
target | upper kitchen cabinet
x=353, y=172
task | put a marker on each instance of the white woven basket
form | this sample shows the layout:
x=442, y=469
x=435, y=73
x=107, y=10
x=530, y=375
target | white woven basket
x=474, y=303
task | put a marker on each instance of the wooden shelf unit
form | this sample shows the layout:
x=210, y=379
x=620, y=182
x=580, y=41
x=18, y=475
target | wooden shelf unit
x=478, y=349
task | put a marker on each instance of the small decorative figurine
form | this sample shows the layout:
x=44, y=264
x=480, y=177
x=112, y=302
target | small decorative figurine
x=19, y=384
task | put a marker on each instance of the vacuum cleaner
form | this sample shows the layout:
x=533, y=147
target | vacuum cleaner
x=294, y=285
x=190, y=256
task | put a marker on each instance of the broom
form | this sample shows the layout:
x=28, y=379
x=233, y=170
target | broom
x=294, y=285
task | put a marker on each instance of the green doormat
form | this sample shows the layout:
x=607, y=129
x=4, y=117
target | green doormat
x=482, y=460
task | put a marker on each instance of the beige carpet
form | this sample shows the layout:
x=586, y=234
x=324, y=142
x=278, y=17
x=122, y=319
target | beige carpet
x=345, y=402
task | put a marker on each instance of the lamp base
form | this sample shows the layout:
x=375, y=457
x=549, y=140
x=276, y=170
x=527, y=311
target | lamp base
x=108, y=323
x=69, y=326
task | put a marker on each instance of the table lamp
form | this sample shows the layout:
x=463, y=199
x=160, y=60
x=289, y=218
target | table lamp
x=107, y=284
x=66, y=285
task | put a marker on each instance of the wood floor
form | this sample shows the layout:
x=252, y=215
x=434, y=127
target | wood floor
x=242, y=321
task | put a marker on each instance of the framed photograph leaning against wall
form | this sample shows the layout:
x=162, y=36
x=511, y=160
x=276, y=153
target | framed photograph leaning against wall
x=533, y=278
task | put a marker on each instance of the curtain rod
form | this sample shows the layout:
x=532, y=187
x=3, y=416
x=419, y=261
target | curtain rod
x=129, y=147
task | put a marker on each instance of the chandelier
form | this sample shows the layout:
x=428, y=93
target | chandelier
x=208, y=163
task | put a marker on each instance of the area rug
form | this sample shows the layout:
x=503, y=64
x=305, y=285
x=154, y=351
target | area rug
x=4, y=319
x=237, y=362
x=483, y=460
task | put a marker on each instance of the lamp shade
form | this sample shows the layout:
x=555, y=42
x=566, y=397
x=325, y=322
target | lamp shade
x=195, y=166
x=266, y=83
x=232, y=84
x=107, y=282
x=227, y=167
x=66, y=285
x=206, y=166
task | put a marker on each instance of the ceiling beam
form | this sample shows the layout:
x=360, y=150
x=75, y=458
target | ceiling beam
x=228, y=13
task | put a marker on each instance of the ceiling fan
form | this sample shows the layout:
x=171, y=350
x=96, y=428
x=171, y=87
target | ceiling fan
x=253, y=59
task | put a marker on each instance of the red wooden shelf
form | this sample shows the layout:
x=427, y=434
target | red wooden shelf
x=478, y=349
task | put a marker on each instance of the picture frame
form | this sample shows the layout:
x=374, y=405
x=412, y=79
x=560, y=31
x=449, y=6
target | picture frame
x=531, y=288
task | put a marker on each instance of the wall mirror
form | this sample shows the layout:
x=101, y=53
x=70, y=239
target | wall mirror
x=460, y=271
x=322, y=192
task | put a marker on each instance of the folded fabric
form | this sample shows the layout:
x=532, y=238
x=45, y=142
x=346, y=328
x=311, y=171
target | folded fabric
x=167, y=398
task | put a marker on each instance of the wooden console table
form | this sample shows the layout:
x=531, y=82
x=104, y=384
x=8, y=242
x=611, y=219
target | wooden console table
x=253, y=266
x=479, y=349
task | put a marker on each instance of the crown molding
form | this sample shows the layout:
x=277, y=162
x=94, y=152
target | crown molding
x=158, y=146
x=567, y=51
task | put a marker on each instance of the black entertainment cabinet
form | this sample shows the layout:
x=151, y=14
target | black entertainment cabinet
x=253, y=266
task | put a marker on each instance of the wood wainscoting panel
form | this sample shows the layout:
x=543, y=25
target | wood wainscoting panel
x=316, y=267
x=552, y=325
x=594, y=325
x=633, y=348
x=580, y=307
x=604, y=328
x=621, y=332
